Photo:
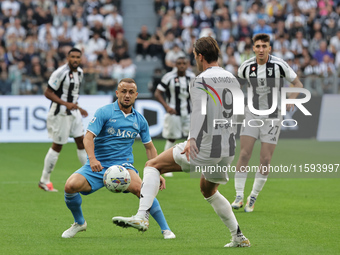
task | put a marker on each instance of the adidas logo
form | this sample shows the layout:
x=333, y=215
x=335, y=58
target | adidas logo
x=253, y=74
x=273, y=139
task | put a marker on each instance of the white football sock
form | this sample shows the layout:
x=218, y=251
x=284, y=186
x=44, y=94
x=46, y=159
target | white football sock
x=259, y=182
x=148, y=190
x=82, y=156
x=240, y=182
x=168, y=145
x=223, y=209
x=51, y=159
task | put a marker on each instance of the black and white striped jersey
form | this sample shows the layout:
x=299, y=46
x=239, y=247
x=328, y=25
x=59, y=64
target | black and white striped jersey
x=65, y=85
x=176, y=89
x=263, y=78
x=212, y=103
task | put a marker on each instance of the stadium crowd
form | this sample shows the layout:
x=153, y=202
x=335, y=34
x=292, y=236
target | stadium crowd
x=36, y=34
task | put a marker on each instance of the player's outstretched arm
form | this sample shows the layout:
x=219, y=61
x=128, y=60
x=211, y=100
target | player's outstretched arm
x=89, y=147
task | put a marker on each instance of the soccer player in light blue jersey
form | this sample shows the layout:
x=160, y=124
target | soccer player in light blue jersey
x=108, y=141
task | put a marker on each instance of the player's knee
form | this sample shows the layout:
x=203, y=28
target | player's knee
x=72, y=186
x=265, y=160
x=150, y=163
x=245, y=155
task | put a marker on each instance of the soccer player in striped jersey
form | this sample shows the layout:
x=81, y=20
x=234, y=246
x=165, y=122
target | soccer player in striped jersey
x=175, y=85
x=263, y=72
x=64, y=118
x=207, y=145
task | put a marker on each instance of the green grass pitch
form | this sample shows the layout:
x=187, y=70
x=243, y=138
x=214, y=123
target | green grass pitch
x=291, y=216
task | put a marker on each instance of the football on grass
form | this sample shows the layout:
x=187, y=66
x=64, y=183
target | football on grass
x=117, y=178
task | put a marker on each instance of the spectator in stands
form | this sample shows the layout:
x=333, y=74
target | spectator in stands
x=64, y=34
x=80, y=33
x=105, y=82
x=312, y=81
x=5, y=83
x=314, y=44
x=187, y=18
x=90, y=79
x=95, y=47
x=156, y=45
x=335, y=43
x=171, y=57
x=143, y=43
x=37, y=81
x=329, y=74
x=112, y=18
x=298, y=43
x=94, y=17
x=262, y=27
x=124, y=67
x=10, y=6
x=322, y=51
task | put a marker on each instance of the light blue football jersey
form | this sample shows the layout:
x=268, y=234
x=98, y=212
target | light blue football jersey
x=115, y=133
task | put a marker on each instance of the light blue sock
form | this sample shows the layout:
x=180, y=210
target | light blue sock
x=157, y=213
x=73, y=202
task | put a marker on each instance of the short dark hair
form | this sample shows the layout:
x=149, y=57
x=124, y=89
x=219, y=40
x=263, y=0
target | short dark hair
x=74, y=50
x=261, y=37
x=208, y=48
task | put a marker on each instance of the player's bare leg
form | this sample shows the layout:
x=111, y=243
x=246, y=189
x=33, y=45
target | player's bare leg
x=169, y=143
x=223, y=209
x=247, y=145
x=267, y=150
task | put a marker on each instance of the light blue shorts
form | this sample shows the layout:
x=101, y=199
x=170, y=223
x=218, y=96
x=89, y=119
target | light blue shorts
x=95, y=179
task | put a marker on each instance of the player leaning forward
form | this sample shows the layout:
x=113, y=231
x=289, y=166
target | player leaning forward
x=108, y=141
x=206, y=145
x=263, y=73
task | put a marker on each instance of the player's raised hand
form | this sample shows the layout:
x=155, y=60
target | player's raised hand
x=162, y=183
x=95, y=165
x=190, y=149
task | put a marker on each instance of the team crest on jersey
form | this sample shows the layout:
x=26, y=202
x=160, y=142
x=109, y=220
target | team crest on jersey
x=270, y=71
x=93, y=120
x=262, y=82
x=111, y=131
x=135, y=125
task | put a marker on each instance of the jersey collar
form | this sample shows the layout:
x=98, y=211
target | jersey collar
x=116, y=107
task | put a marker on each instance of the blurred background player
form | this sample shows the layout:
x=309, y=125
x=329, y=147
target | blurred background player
x=175, y=85
x=108, y=141
x=263, y=72
x=64, y=119
x=206, y=146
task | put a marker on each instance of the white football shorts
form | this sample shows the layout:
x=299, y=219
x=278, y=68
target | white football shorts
x=174, y=126
x=60, y=127
x=266, y=130
x=219, y=173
